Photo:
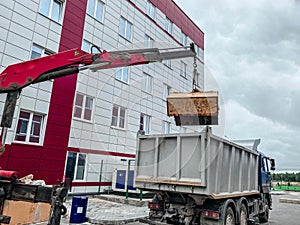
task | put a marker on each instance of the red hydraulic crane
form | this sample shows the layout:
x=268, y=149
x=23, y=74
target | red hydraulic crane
x=15, y=77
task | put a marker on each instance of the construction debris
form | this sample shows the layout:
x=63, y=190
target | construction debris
x=195, y=108
x=29, y=180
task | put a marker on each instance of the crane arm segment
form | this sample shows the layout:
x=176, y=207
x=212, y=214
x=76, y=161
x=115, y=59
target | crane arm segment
x=17, y=76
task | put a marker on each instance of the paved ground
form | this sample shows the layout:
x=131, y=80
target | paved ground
x=285, y=213
x=109, y=210
x=102, y=211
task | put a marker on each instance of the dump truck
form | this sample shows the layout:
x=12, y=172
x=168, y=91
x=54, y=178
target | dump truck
x=200, y=178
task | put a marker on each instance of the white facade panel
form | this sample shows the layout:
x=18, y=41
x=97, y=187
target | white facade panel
x=29, y=4
x=16, y=51
x=3, y=34
x=4, y=26
x=42, y=107
x=42, y=20
x=39, y=39
x=19, y=29
x=23, y=21
x=6, y=12
x=55, y=27
x=27, y=103
x=25, y=11
x=52, y=45
x=78, y=189
x=93, y=189
x=7, y=4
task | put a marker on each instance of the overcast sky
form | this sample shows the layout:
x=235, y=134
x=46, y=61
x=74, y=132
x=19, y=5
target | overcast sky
x=252, y=51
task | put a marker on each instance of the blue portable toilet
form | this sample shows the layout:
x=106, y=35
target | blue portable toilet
x=78, y=209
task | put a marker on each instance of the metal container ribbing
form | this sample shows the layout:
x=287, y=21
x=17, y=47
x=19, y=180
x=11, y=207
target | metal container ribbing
x=196, y=163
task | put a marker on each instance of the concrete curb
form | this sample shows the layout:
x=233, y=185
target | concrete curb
x=289, y=200
x=129, y=201
x=278, y=192
x=114, y=222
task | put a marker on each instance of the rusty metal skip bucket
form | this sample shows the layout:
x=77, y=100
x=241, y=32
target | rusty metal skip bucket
x=194, y=108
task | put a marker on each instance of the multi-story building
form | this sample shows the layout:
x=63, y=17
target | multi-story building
x=84, y=124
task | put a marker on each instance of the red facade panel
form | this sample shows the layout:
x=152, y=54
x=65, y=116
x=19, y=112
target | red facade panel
x=58, y=119
x=4, y=158
x=63, y=93
x=23, y=165
x=61, y=130
x=57, y=135
x=59, y=99
x=47, y=162
x=53, y=154
x=26, y=151
x=52, y=166
x=70, y=38
x=55, y=140
x=72, y=26
x=52, y=177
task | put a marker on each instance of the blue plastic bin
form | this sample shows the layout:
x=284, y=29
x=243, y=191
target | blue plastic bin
x=78, y=209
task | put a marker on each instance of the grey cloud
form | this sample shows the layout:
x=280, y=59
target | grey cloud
x=253, y=49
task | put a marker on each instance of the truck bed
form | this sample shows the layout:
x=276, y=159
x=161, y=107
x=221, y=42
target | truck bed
x=196, y=163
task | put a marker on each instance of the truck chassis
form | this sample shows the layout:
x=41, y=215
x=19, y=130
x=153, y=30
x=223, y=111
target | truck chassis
x=179, y=208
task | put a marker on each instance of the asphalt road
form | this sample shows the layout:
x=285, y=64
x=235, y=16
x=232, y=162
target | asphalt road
x=281, y=214
x=284, y=213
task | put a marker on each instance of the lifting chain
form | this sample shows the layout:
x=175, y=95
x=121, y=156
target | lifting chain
x=195, y=77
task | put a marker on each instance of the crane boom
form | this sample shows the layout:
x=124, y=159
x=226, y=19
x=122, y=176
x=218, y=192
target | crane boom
x=17, y=76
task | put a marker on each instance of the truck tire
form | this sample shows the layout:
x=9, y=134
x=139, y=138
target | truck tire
x=264, y=217
x=243, y=215
x=229, y=217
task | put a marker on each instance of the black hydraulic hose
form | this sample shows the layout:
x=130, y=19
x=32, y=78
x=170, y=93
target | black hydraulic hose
x=56, y=74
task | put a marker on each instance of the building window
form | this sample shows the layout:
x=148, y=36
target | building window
x=183, y=69
x=168, y=63
x=83, y=107
x=95, y=9
x=122, y=74
x=37, y=52
x=166, y=127
x=76, y=166
x=197, y=50
x=125, y=29
x=183, y=39
x=51, y=9
x=145, y=123
x=118, y=116
x=87, y=47
x=148, y=42
x=147, y=83
x=30, y=127
x=169, y=26
x=166, y=92
x=150, y=10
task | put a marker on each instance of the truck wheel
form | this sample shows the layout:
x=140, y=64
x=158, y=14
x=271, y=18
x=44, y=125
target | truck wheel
x=229, y=217
x=243, y=215
x=264, y=217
